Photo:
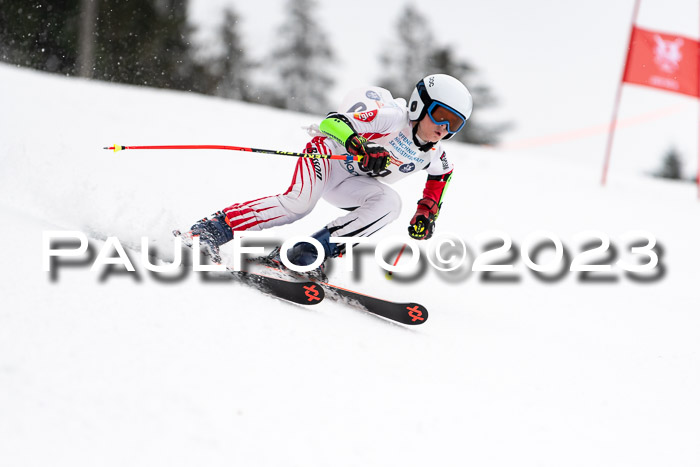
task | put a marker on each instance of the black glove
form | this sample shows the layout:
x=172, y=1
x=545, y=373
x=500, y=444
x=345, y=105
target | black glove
x=374, y=157
x=423, y=222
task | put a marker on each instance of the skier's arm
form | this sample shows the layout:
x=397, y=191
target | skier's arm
x=338, y=127
x=423, y=221
x=375, y=158
x=435, y=187
x=374, y=120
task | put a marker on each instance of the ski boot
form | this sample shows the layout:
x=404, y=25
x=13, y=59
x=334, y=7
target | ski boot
x=212, y=232
x=303, y=254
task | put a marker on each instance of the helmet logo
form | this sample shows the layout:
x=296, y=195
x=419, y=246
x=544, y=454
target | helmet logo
x=431, y=81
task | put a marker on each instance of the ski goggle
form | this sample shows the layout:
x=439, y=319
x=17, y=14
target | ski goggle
x=441, y=114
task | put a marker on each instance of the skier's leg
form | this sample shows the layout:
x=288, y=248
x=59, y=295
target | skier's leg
x=372, y=205
x=306, y=189
x=311, y=178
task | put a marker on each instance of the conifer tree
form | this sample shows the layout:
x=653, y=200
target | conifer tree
x=301, y=60
x=415, y=53
x=671, y=165
x=39, y=34
x=146, y=43
x=232, y=66
x=405, y=59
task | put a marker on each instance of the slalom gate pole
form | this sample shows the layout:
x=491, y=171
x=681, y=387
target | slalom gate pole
x=697, y=176
x=117, y=147
x=618, y=97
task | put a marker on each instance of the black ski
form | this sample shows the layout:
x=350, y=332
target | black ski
x=303, y=293
x=311, y=291
x=409, y=313
x=405, y=313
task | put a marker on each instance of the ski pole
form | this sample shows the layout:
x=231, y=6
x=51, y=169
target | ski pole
x=389, y=274
x=348, y=157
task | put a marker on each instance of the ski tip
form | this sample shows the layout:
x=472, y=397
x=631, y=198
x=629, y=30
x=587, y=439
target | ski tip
x=417, y=314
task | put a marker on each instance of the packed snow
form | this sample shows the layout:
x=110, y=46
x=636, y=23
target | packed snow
x=113, y=368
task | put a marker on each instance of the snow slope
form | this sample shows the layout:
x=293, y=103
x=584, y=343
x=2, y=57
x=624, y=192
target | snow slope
x=100, y=368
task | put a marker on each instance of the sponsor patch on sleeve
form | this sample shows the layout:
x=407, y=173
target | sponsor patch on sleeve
x=366, y=116
x=445, y=162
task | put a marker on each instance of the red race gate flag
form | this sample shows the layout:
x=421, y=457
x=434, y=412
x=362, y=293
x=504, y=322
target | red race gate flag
x=663, y=61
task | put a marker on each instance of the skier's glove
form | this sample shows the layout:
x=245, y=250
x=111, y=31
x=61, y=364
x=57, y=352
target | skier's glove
x=423, y=222
x=374, y=157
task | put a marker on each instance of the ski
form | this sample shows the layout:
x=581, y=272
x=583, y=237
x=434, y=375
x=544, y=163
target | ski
x=408, y=313
x=303, y=293
x=311, y=291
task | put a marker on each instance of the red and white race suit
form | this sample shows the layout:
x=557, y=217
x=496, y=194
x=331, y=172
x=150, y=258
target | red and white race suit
x=371, y=203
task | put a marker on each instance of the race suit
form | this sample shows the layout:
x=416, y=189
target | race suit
x=372, y=204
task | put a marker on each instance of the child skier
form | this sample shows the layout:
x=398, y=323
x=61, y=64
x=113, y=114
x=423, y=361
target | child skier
x=394, y=139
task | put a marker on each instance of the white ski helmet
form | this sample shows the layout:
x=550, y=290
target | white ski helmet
x=441, y=91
